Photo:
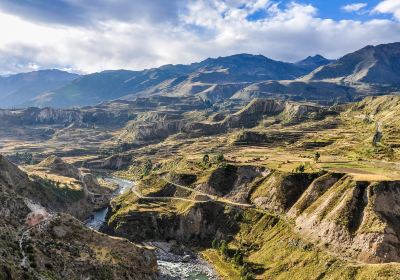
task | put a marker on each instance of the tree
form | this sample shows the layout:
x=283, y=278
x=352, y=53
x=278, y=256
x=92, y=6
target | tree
x=246, y=274
x=300, y=169
x=317, y=156
x=148, y=165
x=223, y=248
x=238, y=258
x=220, y=158
x=215, y=244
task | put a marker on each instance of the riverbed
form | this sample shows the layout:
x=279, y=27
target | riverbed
x=174, y=262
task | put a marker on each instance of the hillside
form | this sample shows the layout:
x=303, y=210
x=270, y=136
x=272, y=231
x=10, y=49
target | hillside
x=173, y=80
x=37, y=243
x=371, y=64
x=20, y=89
x=285, y=224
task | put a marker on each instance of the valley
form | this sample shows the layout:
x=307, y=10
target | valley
x=221, y=169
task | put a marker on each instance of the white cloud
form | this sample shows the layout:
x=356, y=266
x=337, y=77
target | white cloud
x=389, y=7
x=203, y=29
x=355, y=7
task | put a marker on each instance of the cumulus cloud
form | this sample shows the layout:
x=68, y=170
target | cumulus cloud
x=355, y=7
x=194, y=30
x=389, y=7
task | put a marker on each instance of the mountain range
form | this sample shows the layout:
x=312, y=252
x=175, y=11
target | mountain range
x=20, y=88
x=370, y=70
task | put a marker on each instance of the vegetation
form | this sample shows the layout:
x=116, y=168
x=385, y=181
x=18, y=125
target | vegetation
x=24, y=158
x=300, y=168
x=317, y=156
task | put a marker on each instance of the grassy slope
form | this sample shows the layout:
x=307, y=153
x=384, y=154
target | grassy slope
x=272, y=244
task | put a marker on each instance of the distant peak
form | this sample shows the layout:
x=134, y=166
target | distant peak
x=316, y=60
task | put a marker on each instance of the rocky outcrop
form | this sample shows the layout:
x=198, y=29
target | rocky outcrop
x=56, y=165
x=114, y=162
x=233, y=182
x=358, y=220
x=11, y=175
x=197, y=225
x=109, y=114
x=254, y=112
x=70, y=249
x=279, y=191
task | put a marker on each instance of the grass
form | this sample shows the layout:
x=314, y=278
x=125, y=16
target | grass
x=283, y=254
x=225, y=269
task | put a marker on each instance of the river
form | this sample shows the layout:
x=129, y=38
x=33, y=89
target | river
x=172, y=265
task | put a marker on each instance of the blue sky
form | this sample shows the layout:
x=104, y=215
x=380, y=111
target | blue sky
x=333, y=9
x=95, y=35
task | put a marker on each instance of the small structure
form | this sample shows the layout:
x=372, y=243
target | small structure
x=36, y=217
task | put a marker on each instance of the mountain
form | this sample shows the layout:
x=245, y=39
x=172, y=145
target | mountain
x=372, y=64
x=174, y=80
x=245, y=68
x=369, y=71
x=15, y=90
x=313, y=62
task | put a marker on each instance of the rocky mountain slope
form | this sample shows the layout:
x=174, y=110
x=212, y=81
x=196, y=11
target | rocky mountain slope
x=37, y=243
x=173, y=80
x=371, y=64
x=20, y=89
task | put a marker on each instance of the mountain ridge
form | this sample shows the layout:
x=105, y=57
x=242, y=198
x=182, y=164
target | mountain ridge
x=372, y=70
x=191, y=78
x=17, y=89
x=371, y=64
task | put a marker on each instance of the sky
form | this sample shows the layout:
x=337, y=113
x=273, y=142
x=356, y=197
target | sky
x=86, y=36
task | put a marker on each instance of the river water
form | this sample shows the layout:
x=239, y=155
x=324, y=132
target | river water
x=98, y=217
x=172, y=265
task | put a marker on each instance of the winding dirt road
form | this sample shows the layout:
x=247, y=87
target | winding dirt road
x=215, y=198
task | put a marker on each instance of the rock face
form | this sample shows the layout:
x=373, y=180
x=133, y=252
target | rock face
x=114, y=162
x=10, y=175
x=254, y=112
x=353, y=217
x=106, y=114
x=58, y=246
x=197, y=225
x=280, y=191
